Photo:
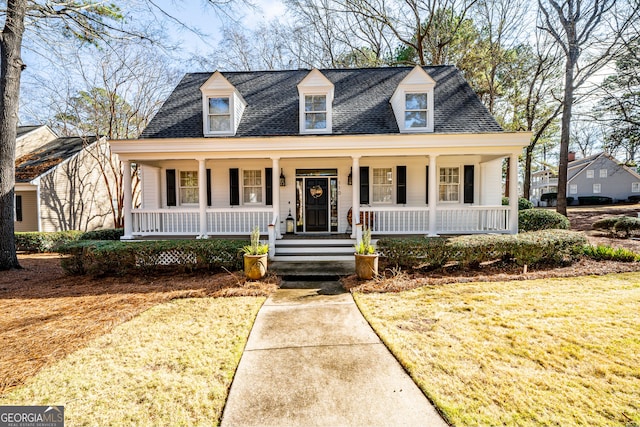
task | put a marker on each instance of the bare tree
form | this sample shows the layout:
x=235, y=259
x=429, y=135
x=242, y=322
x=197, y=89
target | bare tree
x=588, y=32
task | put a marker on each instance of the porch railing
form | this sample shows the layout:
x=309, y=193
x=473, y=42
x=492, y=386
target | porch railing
x=236, y=221
x=449, y=220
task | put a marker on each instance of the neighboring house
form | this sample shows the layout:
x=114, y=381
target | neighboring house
x=406, y=150
x=59, y=185
x=597, y=175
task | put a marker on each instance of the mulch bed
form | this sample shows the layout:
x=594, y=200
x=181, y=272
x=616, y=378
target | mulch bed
x=45, y=314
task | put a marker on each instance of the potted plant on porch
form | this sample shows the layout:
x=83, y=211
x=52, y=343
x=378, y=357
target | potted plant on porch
x=366, y=257
x=255, y=256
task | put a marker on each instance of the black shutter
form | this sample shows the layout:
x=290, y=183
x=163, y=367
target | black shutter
x=234, y=187
x=208, y=187
x=171, y=187
x=468, y=183
x=18, y=208
x=401, y=185
x=268, y=185
x=427, y=190
x=364, y=185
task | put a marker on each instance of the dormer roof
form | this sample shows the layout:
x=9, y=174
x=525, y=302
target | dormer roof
x=361, y=102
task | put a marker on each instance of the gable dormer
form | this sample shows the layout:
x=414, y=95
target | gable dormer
x=222, y=106
x=412, y=102
x=316, y=101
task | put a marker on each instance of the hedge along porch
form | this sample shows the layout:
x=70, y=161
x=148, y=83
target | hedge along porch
x=408, y=151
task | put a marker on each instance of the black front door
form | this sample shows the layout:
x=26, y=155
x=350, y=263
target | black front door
x=316, y=206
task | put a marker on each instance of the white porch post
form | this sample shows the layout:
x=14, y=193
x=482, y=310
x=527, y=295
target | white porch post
x=433, y=196
x=513, y=193
x=202, y=197
x=128, y=200
x=275, y=197
x=355, y=188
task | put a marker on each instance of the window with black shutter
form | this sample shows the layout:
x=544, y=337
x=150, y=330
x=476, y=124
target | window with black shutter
x=401, y=185
x=364, y=185
x=234, y=187
x=171, y=187
x=268, y=185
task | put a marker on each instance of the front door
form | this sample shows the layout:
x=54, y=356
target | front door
x=316, y=206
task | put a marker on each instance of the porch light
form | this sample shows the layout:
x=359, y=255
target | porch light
x=350, y=177
x=283, y=181
x=290, y=223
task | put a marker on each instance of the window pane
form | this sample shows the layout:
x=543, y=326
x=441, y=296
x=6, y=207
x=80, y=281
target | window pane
x=220, y=123
x=416, y=101
x=188, y=178
x=382, y=185
x=415, y=119
x=188, y=195
x=252, y=192
x=218, y=105
x=315, y=120
x=449, y=188
x=315, y=103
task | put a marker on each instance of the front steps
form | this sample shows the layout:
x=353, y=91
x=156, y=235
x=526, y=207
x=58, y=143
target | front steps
x=305, y=250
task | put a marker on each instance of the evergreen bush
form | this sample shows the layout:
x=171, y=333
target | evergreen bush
x=541, y=219
x=40, y=241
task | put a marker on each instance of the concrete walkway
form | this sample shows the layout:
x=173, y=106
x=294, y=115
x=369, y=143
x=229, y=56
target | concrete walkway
x=312, y=360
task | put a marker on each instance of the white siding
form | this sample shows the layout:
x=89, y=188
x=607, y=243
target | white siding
x=29, y=212
x=491, y=183
x=150, y=187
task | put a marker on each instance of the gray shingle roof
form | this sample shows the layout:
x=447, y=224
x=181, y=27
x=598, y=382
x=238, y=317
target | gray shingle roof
x=48, y=156
x=361, y=103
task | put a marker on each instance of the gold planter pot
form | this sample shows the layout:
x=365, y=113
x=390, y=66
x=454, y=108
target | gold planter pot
x=255, y=266
x=366, y=266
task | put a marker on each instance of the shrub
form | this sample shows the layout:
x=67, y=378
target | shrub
x=634, y=198
x=523, y=204
x=595, y=200
x=541, y=219
x=627, y=226
x=100, y=257
x=541, y=247
x=602, y=252
x=607, y=223
x=549, y=197
x=106, y=234
x=36, y=241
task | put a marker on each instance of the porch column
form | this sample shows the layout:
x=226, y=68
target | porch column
x=513, y=193
x=275, y=196
x=355, y=188
x=433, y=196
x=128, y=200
x=202, y=197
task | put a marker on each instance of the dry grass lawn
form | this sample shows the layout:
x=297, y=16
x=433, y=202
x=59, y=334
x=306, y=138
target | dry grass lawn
x=535, y=352
x=46, y=315
x=172, y=365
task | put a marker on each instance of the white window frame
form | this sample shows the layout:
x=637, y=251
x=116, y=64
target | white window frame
x=386, y=187
x=573, y=189
x=209, y=115
x=590, y=174
x=603, y=173
x=452, y=184
x=245, y=187
x=180, y=188
x=314, y=112
x=328, y=111
x=426, y=112
x=635, y=187
x=597, y=189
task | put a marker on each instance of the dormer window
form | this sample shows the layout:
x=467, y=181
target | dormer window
x=315, y=112
x=415, y=112
x=219, y=115
x=316, y=99
x=413, y=102
x=222, y=106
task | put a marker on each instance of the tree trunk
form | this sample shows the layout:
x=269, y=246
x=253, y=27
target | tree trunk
x=567, y=105
x=528, y=158
x=11, y=66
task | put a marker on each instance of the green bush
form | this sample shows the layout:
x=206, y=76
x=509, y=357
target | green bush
x=541, y=219
x=523, y=204
x=606, y=224
x=106, y=234
x=108, y=258
x=595, y=200
x=627, y=226
x=541, y=247
x=36, y=241
x=549, y=197
x=602, y=253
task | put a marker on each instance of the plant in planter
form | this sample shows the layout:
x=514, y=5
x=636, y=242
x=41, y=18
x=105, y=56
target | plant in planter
x=366, y=257
x=255, y=256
